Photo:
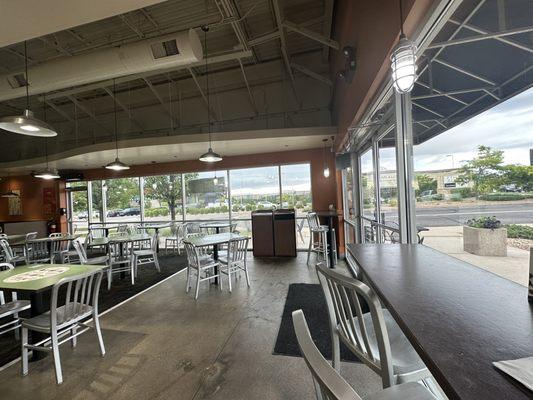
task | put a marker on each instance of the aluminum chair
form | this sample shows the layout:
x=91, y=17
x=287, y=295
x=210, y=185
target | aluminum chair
x=318, y=241
x=11, y=308
x=200, y=263
x=8, y=254
x=80, y=303
x=59, y=248
x=146, y=255
x=174, y=241
x=120, y=260
x=329, y=385
x=374, y=337
x=122, y=229
x=82, y=256
x=235, y=261
x=39, y=254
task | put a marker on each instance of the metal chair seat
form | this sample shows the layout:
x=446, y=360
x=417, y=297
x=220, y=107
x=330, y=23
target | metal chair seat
x=13, y=307
x=66, y=315
x=97, y=260
x=405, y=360
x=143, y=252
x=411, y=391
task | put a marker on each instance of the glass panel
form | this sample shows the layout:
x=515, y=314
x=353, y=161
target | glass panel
x=123, y=200
x=206, y=196
x=349, y=195
x=79, y=211
x=96, y=200
x=367, y=185
x=163, y=198
x=350, y=234
x=388, y=185
x=296, y=193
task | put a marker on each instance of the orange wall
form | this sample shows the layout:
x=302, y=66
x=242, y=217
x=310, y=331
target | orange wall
x=372, y=27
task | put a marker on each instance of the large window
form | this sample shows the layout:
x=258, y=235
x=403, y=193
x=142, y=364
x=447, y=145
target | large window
x=206, y=196
x=388, y=186
x=123, y=200
x=163, y=198
x=97, y=203
x=367, y=185
x=77, y=207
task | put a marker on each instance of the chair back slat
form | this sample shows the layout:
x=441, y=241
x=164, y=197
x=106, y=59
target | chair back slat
x=312, y=220
x=80, y=251
x=5, y=267
x=39, y=252
x=330, y=384
x=120, y=251
x=346, y=315
x=7, y=250
x=193, y=255
x=237, y=250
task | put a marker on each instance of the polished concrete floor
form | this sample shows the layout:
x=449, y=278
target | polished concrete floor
x=165, y=345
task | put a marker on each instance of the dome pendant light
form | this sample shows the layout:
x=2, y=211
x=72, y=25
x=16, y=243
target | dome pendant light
x=9, y=194
x=403, y=62
x=326, y=167
x=116, y=165
x=47, y=173
x=27, y=124
x=210, y=156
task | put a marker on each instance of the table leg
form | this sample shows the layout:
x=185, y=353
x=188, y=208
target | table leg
x=157, y=239
x=330, y=243
x=215, y=257
x=37, y=308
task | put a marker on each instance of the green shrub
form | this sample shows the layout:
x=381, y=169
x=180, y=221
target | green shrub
x=519, y=231
x=485, y=223
x=456, y=197
x=465, y=192
x=502, y=196
x=156, y=212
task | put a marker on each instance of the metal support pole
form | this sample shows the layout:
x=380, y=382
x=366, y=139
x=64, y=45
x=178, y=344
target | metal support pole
x=356, y=182
x=404, y=168
x=377, y=190
x=89, y=203
x=141, y=197
x=103, y=191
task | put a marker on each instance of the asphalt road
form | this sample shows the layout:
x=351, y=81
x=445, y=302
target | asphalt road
x=507, y=213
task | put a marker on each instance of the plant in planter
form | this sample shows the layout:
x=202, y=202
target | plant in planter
x=485, y=237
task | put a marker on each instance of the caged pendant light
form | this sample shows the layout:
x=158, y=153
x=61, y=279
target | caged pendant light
x=210, y=156
x=403, y=62
x=27, y=124
x=326, y=167
x=116, y=165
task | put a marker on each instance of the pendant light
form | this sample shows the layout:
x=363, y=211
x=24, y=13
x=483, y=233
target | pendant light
x=9, y=193
x=27, y=124
x=116, y=165
x=326, y=167
x=47, y=173
x=210, y=156
x=403, y=62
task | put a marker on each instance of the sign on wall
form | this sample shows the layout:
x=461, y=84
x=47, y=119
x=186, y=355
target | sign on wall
x=49, y=202
x=14, y=204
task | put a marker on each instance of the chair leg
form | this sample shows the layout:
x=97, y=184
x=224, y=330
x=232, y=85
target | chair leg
x=133, y=270
x=109, y=277
x=57, y=360
x=246, y=274
x=74, y=340
x=197, y=283
x=98, y=330
x=310, y=247
x=335, y=350
x=17, y=333
x=23, y=343
x=188, y=279
x=156, y=262
x=229, y=277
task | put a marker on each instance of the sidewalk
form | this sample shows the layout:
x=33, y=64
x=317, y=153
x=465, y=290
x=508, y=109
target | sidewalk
x=449, y=240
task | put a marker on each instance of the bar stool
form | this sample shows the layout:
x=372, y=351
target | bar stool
x=319, y=246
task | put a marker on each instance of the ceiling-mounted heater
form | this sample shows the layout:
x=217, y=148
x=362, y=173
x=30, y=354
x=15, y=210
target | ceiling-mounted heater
x=175, y=50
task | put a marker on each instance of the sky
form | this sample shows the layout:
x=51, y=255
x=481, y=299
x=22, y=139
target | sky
x=507, y=126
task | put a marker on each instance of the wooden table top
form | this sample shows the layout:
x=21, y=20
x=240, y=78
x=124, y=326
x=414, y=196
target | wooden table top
x=43, y=283
x=211, y=240
x=458, y=317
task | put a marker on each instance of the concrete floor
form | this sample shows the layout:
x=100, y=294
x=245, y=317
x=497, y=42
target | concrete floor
x=165, y=345
x=449, y=240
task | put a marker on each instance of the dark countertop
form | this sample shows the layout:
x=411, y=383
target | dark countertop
x=458, y=317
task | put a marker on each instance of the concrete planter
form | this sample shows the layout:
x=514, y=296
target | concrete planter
x=485, y=242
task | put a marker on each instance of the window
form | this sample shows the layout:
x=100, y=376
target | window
x=388, y=186
x=97, y=204
x=123, y=200
x=77, y=207
x=367, y=185
x=206, y=196
x=163, y=198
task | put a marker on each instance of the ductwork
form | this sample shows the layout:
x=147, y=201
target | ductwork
x=175, y=50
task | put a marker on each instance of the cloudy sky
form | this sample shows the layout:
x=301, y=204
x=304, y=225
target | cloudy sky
x=507, y=127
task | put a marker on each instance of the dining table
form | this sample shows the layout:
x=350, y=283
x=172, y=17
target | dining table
x=35, y=281
x=216, y=225
x=214, y=240
x=459, y=318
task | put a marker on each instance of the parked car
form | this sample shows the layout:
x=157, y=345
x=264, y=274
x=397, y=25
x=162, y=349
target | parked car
x=83, y=215
x=511, y=188
x=113, y=213
x=130, y=211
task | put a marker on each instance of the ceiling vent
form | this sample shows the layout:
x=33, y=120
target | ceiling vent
x=176, y=50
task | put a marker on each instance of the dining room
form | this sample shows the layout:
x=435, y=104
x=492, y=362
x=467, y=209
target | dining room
x=266, y=199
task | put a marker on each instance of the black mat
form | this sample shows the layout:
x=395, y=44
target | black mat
x=310, y=299
x=121, y=290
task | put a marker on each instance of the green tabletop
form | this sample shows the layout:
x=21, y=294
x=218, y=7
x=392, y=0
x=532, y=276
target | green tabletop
x=211, y=240
x=54, y=239
x=40, y=284
x=119, y=239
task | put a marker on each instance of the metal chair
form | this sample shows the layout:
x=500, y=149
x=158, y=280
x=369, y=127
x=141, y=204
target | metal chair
x=39, y=254
x=374, y=337
x=82, y=256
x=174, y=241
x=11, y=308
x=80, y=303
x=59, y=248
x=200, y=264
x=318, y=241
x=9, y=256
x=146, y=254
x=235, y=261
x=120, y=260
x=329, y=385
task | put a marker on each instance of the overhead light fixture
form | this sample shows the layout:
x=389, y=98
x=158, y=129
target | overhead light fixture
x=47, y=173
x=27, y=124
x=326, y=167
x=403, y=62
x=9, y=193
x=116, y=165
x=210, y=156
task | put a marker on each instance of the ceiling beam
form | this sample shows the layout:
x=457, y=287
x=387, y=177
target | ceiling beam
x=55, y=44
x=264, y=38
x=328, y=20
x=252, y=101
x=464, y=71
x=60, y=111
x=451, y=92
x=134, y=29
x=312, y=74
x=477, y=38
x=123, y=106
x=88, y=112
x=158, y=97
x=317, y=37
x=195, y=79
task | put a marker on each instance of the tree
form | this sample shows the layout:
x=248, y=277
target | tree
x=483, y=171
x=425, y=182
x=520, y=175
x=167, y=189
x=121, y=192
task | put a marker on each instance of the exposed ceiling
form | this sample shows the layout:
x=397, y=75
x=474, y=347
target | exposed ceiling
x=268, y=68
